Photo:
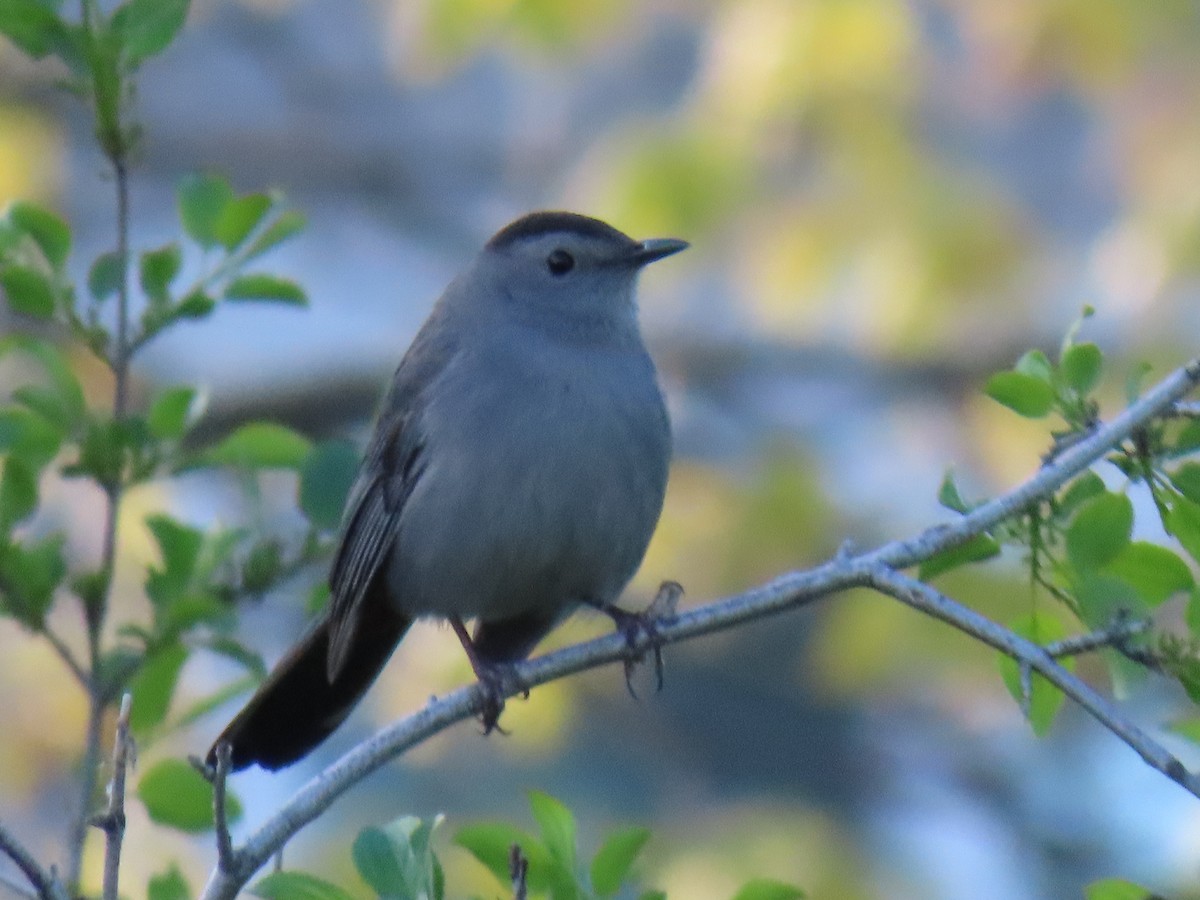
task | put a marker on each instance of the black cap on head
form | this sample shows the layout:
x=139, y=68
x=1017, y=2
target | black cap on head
x=538, y=224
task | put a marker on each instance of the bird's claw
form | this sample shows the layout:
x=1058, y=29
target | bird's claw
x=636, y=627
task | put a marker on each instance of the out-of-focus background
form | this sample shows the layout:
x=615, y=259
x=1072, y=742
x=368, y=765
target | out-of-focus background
x=887, y=201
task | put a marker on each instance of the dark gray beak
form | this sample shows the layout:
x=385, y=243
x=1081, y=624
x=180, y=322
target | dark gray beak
x=652, y=249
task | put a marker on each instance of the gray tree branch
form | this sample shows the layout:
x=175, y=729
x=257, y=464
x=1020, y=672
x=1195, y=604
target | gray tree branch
x=878, y=569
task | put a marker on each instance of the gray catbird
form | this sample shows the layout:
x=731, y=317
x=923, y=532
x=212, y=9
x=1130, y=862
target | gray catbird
x=516, y=471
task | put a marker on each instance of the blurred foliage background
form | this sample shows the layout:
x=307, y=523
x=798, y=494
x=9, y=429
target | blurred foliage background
x=887, y=202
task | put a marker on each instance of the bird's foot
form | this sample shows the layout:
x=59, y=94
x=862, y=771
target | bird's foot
x=642, y=627
x=496, y=680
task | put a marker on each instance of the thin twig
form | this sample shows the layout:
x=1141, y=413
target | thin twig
x=113, y=820
x=45, y=884
x=927, y=599
x=518, y=872
x=1186, y=410
x=220, y=810
x=787, y=592
x=67, y=656
x=1116, y=634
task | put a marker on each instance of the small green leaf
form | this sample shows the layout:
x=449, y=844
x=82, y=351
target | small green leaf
x=239, y=218
x=1102, y=598
x=1081, y=365
x=1036, y=364
x=1188, y=728
x=158, y=269
x=378, y=863
x=202, y=200
x=976, y=549
x=27, y=435
x=67, y=406
x=31, y=572
x=1154, y=572
x=31, y=25
x=286, y=226
x=146, y=27
x=1046, y=698
x=261, y=445
x=28, y=291
x=766, y=889
x=1086, y=486
x=153, y=687
x=1099, y=530
x=176, y=795
x=1183, y=521
x=104, y=277
x=49, y=232
x=557, y=825
x=1187, y=480
x=298, y=886
x=18, y=492
x=1024, y=394
x=266, y=288
x=1188, y=439
x=325, y=480
x=170, y=412
x=170, y=885
x=262, y=566
x=490, y=843
x=1116, y=889
x=949, y=496
x=195, y=305
x=614, y=859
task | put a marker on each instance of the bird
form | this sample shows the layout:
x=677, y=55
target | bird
x=516, y=472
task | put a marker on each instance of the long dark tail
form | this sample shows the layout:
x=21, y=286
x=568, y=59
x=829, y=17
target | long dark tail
x=297, y=707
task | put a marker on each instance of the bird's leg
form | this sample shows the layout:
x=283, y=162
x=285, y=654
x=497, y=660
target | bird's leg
x=491, y=679
x=634, y=626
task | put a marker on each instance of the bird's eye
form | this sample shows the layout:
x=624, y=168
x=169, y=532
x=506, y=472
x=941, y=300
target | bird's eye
x=560, y=262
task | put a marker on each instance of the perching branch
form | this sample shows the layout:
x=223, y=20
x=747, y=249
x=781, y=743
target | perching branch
x=878, y=569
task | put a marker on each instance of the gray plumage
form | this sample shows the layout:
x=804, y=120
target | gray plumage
x=517, y=469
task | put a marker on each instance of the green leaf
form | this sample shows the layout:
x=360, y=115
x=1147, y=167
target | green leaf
x=31, y=25
x=379, y=863
x=614, y=859
x=1099, y=530
x=202, y=200
x=153, y=687
x=146, y=27
x=30, y=573
x=976, y=549
x=1036, y=364
x=325, y=480
x=195, y=305
x=1086, y=486
x=179, y=545
x=766, y=889
x=104, y=277
x=239, y=218
x=1188, y=439
x=266, y=288
x=298, y=886
x=18, y=492
x=557, y=825
x=261, y=445
x=27, y=435
x=490, y=843
x=170, y=885
x=1188, y=728
x=1081, y=365
x=1116, y=889
x=949, y=496
x=49, y=232
x=1187, y=480
x=1024, y=394
x=262, y=566
x=1102, y=598
x=1045, y=699
x=28, y=291
x=170, y=412
x=158, y=269
x=652, y=895
x=1183, y=521
x=176, y=795
x=1155, y=572
x=287, y=225
x=68, y=404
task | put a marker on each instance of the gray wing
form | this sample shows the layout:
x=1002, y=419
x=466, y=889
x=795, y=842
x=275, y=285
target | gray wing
x=393, y=464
